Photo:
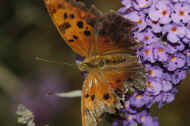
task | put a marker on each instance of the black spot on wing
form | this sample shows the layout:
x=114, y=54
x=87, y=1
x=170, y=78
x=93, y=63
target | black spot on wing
x=80, y=24
x=118, y=81
x=87, y=33
x=87, y=95
x=93, y=97
x=64, y=26
x=71, y=40
x=72, y=16
x=60, y=6
x=106, y=96
x=75, y=37
x=107, y=61
x=65, y=15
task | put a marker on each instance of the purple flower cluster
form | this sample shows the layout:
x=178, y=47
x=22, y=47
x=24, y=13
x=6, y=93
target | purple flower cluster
x=163, y=26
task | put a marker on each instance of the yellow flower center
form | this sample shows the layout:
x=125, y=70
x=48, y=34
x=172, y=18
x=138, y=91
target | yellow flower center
x=149, y=84
x=138, y=96
x=164, y=12
x=144, y=5
x=160, y=50
x=139, y=21
x=146, y=38
x=151, y=72
x=173, y=58
x=154, y=22
x=129, y=117
x=182, y=13
x=174, y=29
x=142, y=119
x=147, y=52
x=126, y=105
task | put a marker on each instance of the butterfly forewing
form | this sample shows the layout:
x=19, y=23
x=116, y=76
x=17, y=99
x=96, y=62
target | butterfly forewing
x=114, y=34
x=75, y=23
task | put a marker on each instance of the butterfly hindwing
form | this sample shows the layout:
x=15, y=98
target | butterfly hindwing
x=102, y=93
x=75, y=23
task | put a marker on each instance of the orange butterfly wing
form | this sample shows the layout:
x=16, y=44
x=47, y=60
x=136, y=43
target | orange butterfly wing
x=103, y=91
x=99, y=96
x=75, y=23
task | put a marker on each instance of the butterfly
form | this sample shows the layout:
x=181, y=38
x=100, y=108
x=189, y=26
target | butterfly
x=105, y=42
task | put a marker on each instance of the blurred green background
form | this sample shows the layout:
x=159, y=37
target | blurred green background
x=26, y=31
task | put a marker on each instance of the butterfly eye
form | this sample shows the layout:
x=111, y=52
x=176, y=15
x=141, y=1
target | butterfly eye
x=83, y=66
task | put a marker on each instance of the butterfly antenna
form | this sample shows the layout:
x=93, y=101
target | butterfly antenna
x=54, y=62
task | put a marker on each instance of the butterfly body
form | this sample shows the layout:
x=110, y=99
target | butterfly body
x=105, y=42
x=110, y=61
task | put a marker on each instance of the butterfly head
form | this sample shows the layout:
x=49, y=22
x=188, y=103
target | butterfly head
x=91, y=63
x=83, y=66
